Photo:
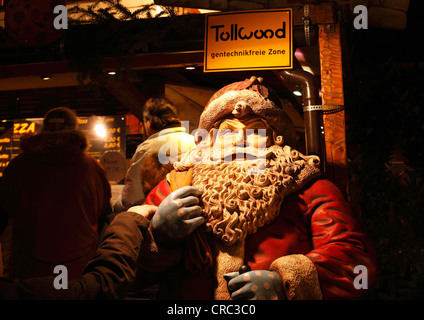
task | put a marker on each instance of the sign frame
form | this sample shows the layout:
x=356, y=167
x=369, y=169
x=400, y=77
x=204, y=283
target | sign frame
x=233, y=34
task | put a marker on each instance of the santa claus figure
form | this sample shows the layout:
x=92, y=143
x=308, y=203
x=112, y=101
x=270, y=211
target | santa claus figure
x=243, y=215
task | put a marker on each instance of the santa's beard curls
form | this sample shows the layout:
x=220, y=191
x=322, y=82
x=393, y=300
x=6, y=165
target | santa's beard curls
x=235, y=202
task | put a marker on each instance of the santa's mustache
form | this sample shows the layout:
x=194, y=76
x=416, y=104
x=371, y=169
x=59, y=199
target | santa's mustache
x=216, y=153
x=230, y=153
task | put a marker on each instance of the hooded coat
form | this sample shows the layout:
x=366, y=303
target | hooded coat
x=133, y=192
x=55, y=195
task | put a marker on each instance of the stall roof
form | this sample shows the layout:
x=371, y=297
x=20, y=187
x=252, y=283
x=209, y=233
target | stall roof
x=180, y=46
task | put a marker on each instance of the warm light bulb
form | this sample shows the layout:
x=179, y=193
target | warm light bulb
x=100, y=130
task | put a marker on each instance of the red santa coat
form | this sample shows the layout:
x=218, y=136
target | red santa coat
x=318, y=223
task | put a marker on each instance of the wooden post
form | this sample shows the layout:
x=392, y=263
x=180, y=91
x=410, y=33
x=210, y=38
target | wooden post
x=332, y=94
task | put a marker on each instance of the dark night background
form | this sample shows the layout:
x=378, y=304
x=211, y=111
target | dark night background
x=385, y=137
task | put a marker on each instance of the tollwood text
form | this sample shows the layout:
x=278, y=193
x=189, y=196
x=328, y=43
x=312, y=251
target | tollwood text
x=235, y=33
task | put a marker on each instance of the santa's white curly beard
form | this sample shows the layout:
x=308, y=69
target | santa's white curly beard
x=236, y=202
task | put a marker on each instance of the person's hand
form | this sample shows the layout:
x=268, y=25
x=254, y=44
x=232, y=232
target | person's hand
x=254, y=285
x=177, y=216
x=145, y=210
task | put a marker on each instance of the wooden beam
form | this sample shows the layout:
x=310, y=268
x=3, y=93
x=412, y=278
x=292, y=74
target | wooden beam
x=157, y=60
x=126, y=93
x=131, y=97
x=332, y=94
x=138, y=62
x=34, y=69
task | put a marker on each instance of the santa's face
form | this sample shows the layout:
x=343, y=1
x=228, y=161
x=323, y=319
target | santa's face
x=244, y=138
x=249, y=131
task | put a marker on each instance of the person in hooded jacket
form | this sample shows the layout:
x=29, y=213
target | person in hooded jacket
x=162, y=128
x=55, y=197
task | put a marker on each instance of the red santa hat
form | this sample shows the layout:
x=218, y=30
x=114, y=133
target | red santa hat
x=259, y=99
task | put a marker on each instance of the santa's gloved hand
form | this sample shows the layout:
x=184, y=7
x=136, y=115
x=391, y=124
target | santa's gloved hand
x=177, y=216
x=254, y=285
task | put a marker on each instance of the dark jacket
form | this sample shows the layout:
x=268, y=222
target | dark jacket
x=109, y=275
x=55, y=195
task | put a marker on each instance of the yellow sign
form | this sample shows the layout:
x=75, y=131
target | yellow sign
x=249, y=40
